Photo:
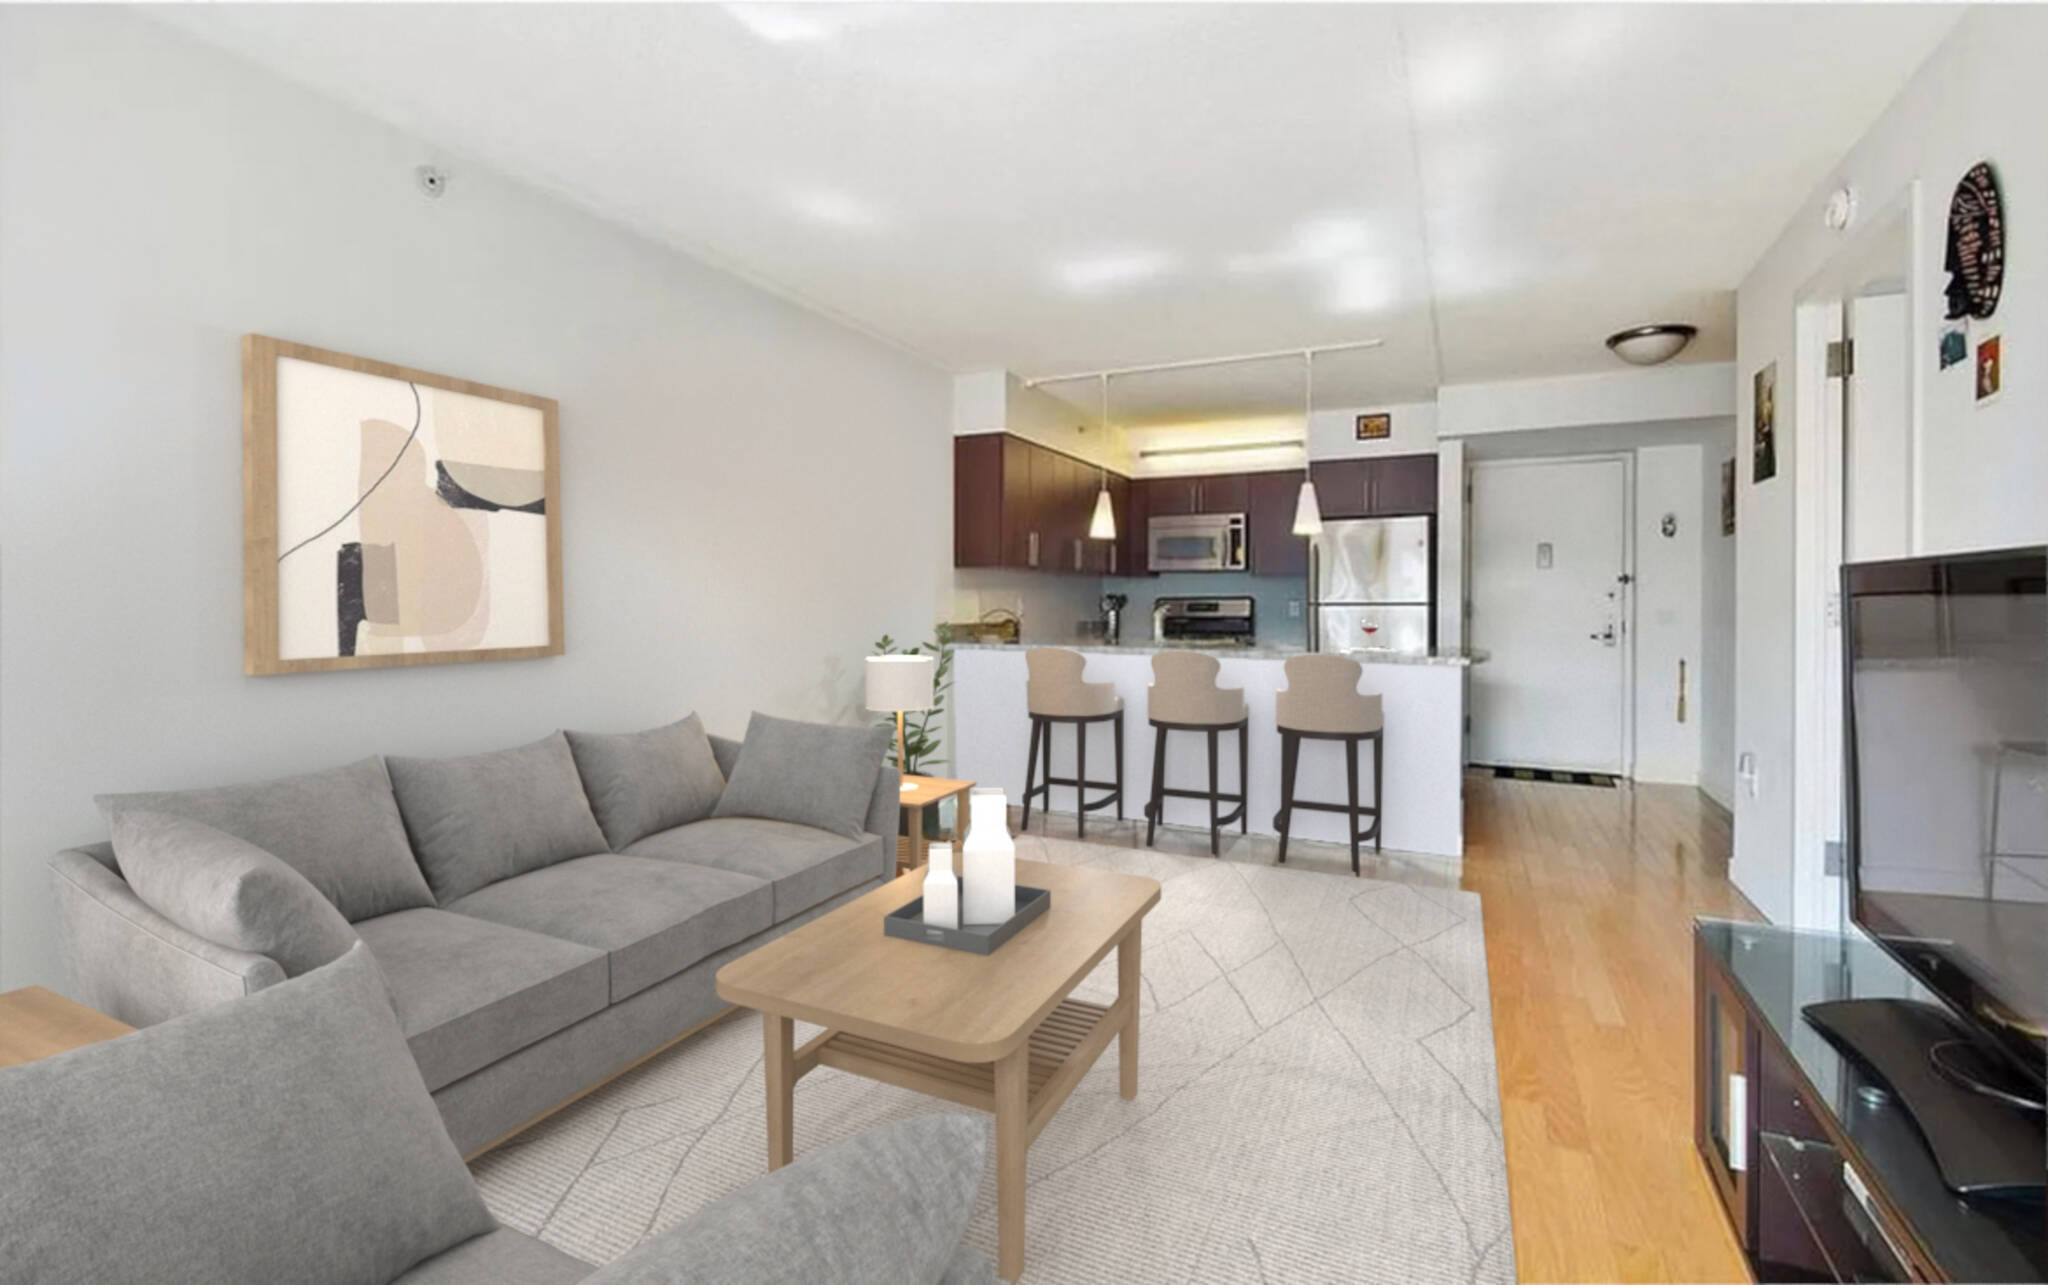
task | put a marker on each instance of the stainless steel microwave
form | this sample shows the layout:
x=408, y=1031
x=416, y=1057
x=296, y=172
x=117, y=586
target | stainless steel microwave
x=1196, y=542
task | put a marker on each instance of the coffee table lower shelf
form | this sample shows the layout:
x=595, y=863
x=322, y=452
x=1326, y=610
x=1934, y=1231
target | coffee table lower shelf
x=1063, y=1047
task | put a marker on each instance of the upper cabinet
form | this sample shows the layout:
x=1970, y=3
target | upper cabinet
x=1276, y=550
x=1382, y=486
x=1019, y=504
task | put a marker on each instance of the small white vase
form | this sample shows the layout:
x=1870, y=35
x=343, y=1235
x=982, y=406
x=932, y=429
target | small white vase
x=941, y=889
x=988, y=860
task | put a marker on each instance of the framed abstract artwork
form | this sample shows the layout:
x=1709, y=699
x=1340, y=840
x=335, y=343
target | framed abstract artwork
x=393, y=517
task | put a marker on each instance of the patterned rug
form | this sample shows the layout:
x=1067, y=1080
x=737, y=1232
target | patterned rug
x=1317, y=1102
x=1554, y=776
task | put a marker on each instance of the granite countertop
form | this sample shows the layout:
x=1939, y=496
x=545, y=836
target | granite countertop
x=1263, y=651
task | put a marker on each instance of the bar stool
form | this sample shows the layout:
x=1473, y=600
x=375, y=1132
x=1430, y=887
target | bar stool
x=1185, y=698
x=1053, y=694
x=1321, y=702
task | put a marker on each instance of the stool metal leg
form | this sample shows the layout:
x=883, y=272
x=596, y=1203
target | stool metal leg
x=1119, y=765
x=1379, y=798
x=1290, y=752
x=1351, y=783
x=1213, y=826
x=1081, y=780
x=1031, y=768
x=1158, y=785
x=1244, y=778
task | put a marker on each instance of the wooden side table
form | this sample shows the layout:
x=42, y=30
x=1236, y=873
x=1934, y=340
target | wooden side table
x=923, y=792
x=37, y=1023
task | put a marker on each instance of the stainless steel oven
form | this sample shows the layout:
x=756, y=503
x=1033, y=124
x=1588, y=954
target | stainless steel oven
x=1196, y=542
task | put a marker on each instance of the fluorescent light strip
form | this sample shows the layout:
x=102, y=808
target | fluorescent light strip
x=1218, y=450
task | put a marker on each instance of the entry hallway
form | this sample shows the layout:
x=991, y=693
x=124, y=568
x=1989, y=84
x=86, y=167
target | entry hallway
x=1588, y=896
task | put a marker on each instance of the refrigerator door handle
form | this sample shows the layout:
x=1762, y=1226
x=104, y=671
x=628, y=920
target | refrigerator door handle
x=1315, y=624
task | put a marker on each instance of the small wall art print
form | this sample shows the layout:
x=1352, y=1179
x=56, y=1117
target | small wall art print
x=1990, y=369
x=1764, y=410
x=1727, y=497
x=1372, y=428
x=393, y=517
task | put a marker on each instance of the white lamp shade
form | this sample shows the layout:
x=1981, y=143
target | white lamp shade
x=897, y=683
x=1102, y=526
x=1308, y=514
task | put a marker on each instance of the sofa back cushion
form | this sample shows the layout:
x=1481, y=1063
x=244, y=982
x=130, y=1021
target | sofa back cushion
x=285, y=1136
x=228, y=891
x=814, y=774
x=487, y=817
x=641, y=782
x=339, y=828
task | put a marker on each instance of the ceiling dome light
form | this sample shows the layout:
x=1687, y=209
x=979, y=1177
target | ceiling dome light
x=1651, y=345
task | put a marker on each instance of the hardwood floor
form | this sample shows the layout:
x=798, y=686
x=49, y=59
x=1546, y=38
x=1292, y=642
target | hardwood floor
x=1588, y=899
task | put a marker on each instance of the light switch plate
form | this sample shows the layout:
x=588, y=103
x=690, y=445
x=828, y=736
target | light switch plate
x=1543, y=556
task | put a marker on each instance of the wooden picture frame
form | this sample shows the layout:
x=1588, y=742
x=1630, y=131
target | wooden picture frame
x=1375, y=427
x=466, y=507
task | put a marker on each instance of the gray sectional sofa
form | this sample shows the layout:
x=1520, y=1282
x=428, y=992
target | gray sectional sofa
x=542, y=917
x=286, y=1137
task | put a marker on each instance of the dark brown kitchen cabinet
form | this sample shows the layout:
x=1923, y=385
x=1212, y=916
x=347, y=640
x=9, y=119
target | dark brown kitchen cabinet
x=1168, y=497
x=1222, y=493
x=1019, y=504
x=1383, y=486
x=1130, y=530
x=978, y=500
x=1276, y=550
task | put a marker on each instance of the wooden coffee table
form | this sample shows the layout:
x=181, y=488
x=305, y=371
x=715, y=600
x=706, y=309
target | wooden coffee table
x=995, y=1032
x=36, y=1023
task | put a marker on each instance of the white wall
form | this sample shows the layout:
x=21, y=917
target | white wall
x=1333, y=434
x=1625, y=396
x=1979, y=473
x=1668, y=613
x=751, y=494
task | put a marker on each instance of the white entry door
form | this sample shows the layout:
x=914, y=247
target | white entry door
x=1549, y=603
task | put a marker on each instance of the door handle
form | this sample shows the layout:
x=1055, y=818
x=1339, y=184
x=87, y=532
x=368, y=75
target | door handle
x=1606, y=636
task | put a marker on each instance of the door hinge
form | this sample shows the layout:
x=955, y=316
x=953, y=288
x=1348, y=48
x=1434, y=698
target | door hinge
x=1841, y=359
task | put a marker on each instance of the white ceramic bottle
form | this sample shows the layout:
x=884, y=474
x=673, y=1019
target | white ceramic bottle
x=988, y=860
x=941, y=889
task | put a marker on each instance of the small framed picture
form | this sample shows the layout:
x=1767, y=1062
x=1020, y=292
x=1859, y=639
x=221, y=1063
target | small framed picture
x=1990, y=369
x=1727, y=497
x=1375, y=426
x=1955, y=344
x=1764, y=411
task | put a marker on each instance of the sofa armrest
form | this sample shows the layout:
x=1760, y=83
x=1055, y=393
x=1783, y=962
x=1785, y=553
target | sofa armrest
x=885, y=1207
x=885, y=811
x=130, y=962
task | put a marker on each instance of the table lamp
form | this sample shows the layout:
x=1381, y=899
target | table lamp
x=897, y=684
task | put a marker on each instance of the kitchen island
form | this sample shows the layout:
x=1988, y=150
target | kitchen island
x=1423, y=697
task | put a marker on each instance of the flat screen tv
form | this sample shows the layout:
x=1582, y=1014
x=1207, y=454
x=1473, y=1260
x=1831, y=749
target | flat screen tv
x=1946, y=669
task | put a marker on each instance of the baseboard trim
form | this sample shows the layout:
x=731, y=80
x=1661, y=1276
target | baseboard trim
x=1715, y=805
x=586, y=1091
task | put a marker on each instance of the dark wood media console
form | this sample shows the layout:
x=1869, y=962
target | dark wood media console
x=1823, y=1174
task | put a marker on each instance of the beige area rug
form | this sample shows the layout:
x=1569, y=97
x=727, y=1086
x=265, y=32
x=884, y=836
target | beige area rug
x=1317, y=1102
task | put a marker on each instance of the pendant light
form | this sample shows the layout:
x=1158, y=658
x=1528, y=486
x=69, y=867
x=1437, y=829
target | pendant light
x=1102, y=524
x=1308, y=514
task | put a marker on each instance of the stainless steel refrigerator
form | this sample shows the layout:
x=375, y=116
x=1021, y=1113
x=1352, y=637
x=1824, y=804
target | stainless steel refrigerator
x=1371, y=585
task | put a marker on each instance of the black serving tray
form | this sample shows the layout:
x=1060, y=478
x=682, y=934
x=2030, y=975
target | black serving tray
x=976, y=939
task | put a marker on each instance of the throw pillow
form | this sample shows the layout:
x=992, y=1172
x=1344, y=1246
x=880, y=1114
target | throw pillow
x=339, y=828
x=228, y=891
x=813, y=774
x=643, y=782
x=284, y=1136
x=487, y=817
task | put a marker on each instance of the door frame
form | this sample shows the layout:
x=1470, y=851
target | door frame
x=1821, y=433
x=1625, y=615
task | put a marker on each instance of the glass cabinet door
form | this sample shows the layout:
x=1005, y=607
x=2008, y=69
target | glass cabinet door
x=1724, y=1051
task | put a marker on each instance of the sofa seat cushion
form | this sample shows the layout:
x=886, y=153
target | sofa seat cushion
x=653, y=918
x=470, y=992
x=487, y=817
x=339, y=828
x=803, y=865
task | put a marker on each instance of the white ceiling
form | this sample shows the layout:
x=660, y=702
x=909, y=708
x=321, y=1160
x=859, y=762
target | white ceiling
x=1489, y=190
